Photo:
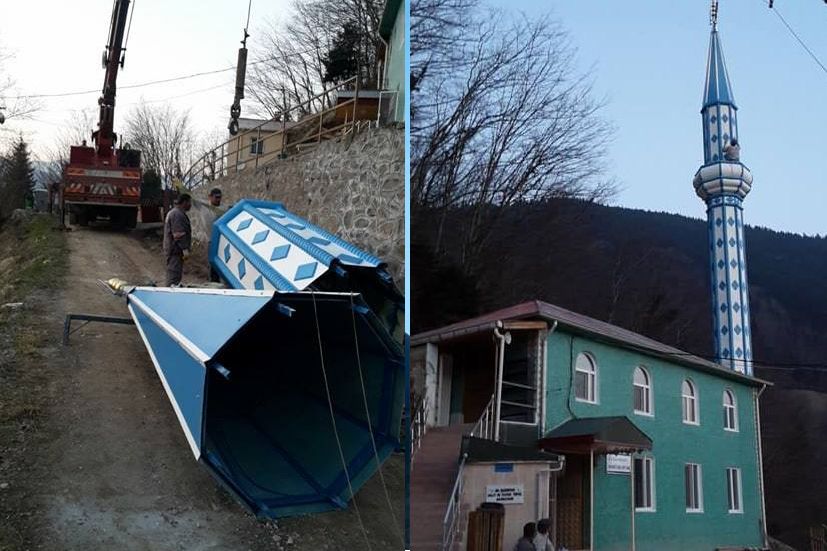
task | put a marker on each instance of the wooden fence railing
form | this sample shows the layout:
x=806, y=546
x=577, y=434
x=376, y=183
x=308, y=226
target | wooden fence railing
x=245, y=149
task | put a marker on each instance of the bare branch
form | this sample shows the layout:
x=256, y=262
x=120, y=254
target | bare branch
x=290, y=69
x=501, y=117
x=164, y=136
x=13, y=106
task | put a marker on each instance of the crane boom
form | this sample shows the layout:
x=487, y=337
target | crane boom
x=113, y=58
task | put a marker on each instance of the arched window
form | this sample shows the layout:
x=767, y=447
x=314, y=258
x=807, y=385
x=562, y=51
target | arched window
x=730, y=411
x=585, y=378
x=689, y=401
x=643, y=392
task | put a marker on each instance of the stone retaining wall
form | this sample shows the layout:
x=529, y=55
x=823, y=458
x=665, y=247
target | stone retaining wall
x=353, y=187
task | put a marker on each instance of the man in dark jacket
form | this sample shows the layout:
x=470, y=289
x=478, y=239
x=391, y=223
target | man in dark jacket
x=177, y=239
x=526, y=543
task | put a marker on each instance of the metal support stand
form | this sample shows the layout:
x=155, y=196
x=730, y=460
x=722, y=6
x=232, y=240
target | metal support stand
x=67, y=325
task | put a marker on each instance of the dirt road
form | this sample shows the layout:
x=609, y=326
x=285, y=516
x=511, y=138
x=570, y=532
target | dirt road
x=110, y=468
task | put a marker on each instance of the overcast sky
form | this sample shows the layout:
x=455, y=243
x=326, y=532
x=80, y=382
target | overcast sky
x=649, y=59
x=58, y=47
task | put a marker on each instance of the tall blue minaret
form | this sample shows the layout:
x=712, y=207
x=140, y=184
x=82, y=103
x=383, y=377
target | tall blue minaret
x=723, y=182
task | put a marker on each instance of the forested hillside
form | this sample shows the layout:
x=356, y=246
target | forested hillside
x=648, y=272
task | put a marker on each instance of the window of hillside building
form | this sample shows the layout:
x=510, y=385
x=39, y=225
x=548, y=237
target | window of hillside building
x=694, y=488
x=689, y=402
x=644, y=484
x=643, y=392
x=733, y=481
x=730, y=411
x=256, y=146
x=585, y=379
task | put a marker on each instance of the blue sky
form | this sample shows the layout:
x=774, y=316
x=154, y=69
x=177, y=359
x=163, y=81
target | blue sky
x=649, y=58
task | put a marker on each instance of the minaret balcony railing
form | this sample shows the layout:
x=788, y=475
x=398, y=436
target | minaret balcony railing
x=722, y=178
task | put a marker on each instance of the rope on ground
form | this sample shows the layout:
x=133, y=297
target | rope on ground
x=370, y=426
x=333, y=420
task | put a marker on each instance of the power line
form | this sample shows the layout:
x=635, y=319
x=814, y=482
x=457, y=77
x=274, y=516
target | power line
x=763, y=364
x=154, y=82
x=144, y=102
x=194, y=92
x=795, y=35
x=141, y=85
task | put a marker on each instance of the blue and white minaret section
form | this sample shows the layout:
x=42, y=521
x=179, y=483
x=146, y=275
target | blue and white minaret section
x=723, y=183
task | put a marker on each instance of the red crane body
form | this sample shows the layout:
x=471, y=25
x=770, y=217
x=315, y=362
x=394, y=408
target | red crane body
x=105, y=180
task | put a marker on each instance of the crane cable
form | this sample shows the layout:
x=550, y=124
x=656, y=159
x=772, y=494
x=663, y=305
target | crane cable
x=333, y=421
x=129, y=26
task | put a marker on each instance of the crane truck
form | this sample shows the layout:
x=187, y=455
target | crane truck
x=104, y=181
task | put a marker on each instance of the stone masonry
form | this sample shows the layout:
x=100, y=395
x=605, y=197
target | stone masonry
x=353, y=187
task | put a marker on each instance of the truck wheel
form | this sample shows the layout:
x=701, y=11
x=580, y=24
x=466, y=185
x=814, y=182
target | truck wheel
x=117, y=219
x=82, y=218
x=131, y=218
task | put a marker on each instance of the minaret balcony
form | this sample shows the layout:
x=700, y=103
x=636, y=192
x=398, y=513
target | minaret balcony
x=723, y=178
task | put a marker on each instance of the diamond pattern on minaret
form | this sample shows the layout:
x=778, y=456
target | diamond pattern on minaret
x=723, y=183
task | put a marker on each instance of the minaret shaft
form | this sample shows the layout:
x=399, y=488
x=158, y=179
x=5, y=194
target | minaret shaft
x=723, y=182
x=730, y=297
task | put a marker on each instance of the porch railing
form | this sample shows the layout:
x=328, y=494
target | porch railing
x=246, y=149
x=419, y=426
x=484, y=428
x=450, y=524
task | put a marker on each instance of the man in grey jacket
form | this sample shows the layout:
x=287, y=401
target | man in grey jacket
x=177, y=239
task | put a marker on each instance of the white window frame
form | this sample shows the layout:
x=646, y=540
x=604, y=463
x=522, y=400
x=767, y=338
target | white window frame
x=733, y=407
x=591, y=379
x=733, y=475
x=647, y=392
x=256, y=146
x=650, y=461
x=698, y=479
x=694, y=399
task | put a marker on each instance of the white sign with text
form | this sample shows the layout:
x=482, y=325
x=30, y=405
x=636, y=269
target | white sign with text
x=512, y=493
x=618, y=464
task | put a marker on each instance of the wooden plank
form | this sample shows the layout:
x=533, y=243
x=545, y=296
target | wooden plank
x=517, y=325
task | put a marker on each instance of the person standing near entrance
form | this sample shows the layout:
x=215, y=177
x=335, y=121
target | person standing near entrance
x=542, y=541
x=526, y=543
x=177, y=239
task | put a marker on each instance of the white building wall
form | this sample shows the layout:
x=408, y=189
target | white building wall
x=534, y=478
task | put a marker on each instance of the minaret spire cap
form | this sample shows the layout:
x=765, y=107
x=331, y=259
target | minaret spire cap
x=717, y=89
x=713, y=15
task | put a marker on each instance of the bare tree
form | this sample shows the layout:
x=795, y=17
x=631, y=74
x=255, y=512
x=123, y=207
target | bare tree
x=14, y=106
x=290, y=69
x=164, y=136
x=437, y=26
x=502, y=117
x=75, y=130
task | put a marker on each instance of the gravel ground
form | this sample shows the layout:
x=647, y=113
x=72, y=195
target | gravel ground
x=91, y=453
